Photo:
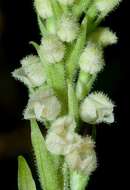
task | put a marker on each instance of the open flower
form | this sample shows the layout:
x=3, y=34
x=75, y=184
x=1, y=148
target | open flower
x=61, y=138
x=83, y=158
x=91, y=60
x=31, y=73
x=43, y=104
x=103, y=36
x=106, y=6
x=68, y=28
x=52, y=49
x=97, y=108
x=43, y=8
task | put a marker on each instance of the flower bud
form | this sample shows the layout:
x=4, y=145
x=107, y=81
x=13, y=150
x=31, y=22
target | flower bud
x=91, y=60
x=97, y=108
x=31, y=73
x=43, y=104
x=53, y=49
x=43, y=8
x=61, y=138
x=66, y=2
x=104, y=7
x=68, y=28
x=83, y=159
x=103, y=36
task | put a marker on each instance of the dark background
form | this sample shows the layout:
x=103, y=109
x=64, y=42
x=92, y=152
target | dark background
x=18, y=26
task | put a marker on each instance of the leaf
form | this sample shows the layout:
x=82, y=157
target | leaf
x=49, y=176
x=25, y=179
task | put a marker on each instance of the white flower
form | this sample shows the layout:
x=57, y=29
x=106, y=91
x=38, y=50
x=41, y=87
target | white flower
x=43, y=104
x=103, y=36
x=43, y=8
x=68, y=28
x=61, y=138
x=97, y=108
x=31, y=73
x=106, y=6
x=83, y=158
x=53, y=49
x=66, y=2
x=91, y=60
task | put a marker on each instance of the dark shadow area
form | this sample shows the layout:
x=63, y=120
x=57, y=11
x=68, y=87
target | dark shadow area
x=18, y=26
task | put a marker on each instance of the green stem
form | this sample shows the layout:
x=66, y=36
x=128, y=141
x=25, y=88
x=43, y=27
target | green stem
x=66, y=175
x=73, y=102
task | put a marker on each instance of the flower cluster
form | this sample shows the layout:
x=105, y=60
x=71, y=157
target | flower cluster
x=60, y=77
x=63, y=140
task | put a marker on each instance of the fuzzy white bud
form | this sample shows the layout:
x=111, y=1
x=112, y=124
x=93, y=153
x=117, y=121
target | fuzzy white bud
x=43, y=8
x=83, y=159
x=66, y=2
x=31, y=73
x=103, y=36
x=106, y=6
x=61, y=138
x=68, y=28
x=43, y=104
x=97, y=108
x=53, y=49
x=91, y=60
